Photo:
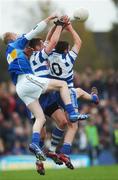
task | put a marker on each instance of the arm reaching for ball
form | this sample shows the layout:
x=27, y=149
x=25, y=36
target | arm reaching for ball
x=77, y=41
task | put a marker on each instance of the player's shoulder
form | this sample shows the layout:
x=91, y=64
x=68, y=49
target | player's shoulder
x=51, y=53
x=34, y=53
x=54, y=53
x=71, y=55
x=40, y=55
x=19, y=41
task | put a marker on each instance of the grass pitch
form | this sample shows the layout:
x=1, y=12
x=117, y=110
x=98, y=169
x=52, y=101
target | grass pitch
x=91, y=173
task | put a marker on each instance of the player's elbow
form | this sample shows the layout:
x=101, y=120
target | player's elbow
x=79, y=43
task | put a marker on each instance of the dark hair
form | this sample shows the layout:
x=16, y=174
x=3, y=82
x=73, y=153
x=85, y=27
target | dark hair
x=34, y=42
x=61, y=47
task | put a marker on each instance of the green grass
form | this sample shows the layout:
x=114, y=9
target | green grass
x=91, y=173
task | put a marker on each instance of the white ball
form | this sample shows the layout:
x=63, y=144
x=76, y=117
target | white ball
x=81, y=14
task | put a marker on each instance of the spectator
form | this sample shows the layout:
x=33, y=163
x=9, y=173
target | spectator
x=93, y=140
x=99, y=133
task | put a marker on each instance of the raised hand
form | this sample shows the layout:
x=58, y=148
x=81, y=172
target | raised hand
x=69, y=27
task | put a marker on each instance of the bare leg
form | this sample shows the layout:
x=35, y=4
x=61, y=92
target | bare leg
x=61, y=86
x=70, y=134
x=72, y=127
x=60, y=118
x=37, y=111
x=83, y=94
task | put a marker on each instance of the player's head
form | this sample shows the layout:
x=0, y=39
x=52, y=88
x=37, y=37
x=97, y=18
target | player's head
x=36, y=43
x=9, y=36
x=62, y=47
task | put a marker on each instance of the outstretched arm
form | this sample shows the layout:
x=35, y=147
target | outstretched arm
x=77, y=41
x=54, y=39
x=39, y=28
x=64, y=19
x=54, y=36
x=50, y=33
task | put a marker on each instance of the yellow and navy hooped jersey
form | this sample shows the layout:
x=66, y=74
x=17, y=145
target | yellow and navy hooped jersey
x=17, y=60
x=61, y=66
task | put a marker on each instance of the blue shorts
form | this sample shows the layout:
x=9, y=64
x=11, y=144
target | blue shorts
x=52, y=101
x=48, y=102
x=73, y=96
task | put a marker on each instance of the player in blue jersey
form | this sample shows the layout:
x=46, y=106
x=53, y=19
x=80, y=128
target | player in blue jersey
x=28, y=86
x=38, y=61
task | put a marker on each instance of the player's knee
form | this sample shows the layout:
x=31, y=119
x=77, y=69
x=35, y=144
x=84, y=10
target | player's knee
x=80, y=92
x=63, y=124
x=74, y=126
x=39, y=119
x=63, y=84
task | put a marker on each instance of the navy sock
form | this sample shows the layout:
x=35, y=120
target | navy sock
x=66, y=149
x=36, y=138
x=94, y=98
x=57, y=135
x=69, y=108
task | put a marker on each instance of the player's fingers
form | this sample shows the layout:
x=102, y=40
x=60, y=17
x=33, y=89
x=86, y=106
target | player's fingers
x=67, y=22
x=66, y=18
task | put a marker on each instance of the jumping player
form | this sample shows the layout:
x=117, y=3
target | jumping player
x=61, y=62
x=28, y=86
x=51, y=109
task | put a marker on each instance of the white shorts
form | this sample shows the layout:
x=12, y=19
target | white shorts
x=29, y=87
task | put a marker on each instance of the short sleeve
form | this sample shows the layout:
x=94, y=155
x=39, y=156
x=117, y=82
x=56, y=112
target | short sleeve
x=72, y=56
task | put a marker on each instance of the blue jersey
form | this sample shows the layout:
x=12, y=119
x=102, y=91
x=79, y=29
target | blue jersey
x=61, y=66
x=16, y=58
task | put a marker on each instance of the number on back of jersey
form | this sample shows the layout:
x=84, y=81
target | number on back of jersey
x=56, y=69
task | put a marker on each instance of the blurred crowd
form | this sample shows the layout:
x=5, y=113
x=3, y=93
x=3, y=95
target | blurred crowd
x=93, y=136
